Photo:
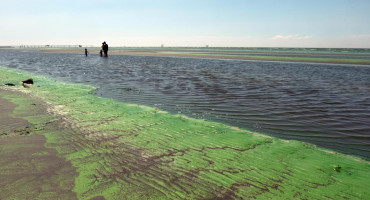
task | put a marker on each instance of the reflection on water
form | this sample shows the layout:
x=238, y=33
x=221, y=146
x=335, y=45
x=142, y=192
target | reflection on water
x=324, y=104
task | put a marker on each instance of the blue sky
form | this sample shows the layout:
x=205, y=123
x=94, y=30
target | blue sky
x=253, y=23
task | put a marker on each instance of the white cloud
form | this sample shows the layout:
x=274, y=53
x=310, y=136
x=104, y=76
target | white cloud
x=291, y=37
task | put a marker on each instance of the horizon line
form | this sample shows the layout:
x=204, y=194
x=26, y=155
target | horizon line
x=150, y=46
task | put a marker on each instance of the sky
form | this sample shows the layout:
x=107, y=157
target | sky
x=217, y=23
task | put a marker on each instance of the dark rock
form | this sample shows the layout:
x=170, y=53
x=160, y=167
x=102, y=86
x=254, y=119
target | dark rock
x=9, y=84
x=28, y=81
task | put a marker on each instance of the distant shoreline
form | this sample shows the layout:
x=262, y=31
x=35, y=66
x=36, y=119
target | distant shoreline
x=253, y=55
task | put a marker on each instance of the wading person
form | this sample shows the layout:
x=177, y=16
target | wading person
x=86, y=52
x=105, y=49
x=101, y=52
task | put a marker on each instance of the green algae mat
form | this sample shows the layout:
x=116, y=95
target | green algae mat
x=115, y=150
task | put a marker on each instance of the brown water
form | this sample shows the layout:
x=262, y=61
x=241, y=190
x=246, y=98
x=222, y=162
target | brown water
x=324, y=104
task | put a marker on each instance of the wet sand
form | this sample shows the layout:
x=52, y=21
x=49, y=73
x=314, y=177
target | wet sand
x=28, y=169
x=8, y=123
x=285, y=57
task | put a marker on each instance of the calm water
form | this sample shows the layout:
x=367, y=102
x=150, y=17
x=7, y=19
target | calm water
x=257, y=49
x=324, y=104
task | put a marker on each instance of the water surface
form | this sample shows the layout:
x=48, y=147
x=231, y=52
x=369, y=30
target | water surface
x=324, y=104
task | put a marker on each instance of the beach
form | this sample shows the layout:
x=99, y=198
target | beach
x=111, y=149
x=184, y=100
x=291, y=100
x=29, y=168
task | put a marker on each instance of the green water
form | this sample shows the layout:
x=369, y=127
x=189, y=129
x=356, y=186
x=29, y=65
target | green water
x=136, y=152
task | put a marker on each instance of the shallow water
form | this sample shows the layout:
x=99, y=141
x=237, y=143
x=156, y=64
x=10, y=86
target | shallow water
x=324, y=104
x=282, y=54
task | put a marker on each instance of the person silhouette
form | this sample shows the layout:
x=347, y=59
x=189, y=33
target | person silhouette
x=105, y=49
x=86, y=52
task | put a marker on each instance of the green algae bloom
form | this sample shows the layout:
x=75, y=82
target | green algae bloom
x=128, y=151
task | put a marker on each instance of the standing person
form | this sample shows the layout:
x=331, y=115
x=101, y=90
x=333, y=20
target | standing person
x=105, y=49
x=86, y=52
x=101, y=52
